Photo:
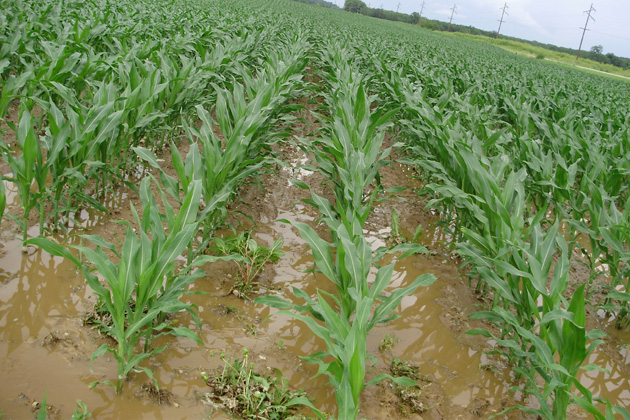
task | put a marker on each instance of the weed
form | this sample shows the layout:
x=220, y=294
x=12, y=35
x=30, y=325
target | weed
x=80, y=413
x=247, y=394
x=249, y=256
x=396, y=237
x=280, y=345
x=410, y=398
x=389, y=341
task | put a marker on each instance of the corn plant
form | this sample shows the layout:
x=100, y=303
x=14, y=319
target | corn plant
x=616, y=255
x=143, y=283
x=245, y=118
x=219, y=170
x=349, y=155
x=345, y=332
x=350, y=159
x=28, y=170
x=3, y=198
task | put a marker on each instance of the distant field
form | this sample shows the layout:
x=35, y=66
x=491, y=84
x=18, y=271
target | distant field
x=541, y=53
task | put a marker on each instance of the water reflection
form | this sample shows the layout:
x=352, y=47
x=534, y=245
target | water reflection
x=42, y=288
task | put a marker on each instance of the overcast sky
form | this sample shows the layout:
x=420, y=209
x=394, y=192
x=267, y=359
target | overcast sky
x=555, y=22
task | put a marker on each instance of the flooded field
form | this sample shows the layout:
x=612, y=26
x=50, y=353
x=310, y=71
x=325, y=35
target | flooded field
x=46, y=349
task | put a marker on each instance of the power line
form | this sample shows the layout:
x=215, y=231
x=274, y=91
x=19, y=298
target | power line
x=505, y=6
x=397, y=8
x=453, y=11
x=611, y=35
x=588, y=17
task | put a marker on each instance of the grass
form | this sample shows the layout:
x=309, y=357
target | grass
x=552, y=56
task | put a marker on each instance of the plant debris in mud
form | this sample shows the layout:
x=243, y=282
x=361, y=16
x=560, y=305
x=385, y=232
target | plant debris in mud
x=410, y=396
x=247, y=394
x=148, y=391
x=52, y=339
x=98, y=318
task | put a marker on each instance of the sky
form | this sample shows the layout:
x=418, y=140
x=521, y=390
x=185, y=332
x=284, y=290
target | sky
x=555, y=22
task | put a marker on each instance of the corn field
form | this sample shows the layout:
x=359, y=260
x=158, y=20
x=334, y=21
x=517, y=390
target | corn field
x=183, y=107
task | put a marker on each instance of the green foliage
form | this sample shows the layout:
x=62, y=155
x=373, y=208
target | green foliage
x=141, y=277
x=524, y=162
x=250, y=395
x=27, y=169
x=3, y=198
x=355, y=6
x=80, y=413
x=349, y=156
x=249, y=257
x=388, y=342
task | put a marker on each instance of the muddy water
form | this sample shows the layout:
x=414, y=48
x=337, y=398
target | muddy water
x=41, y=295
x=45, y=349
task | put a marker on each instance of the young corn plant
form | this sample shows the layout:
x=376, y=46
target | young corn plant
x=143, y=283
x=349, y=154
x=345, y=330
x=221, y=165
x=615, y=235
x=28, y=170
x=545, y=341
x=350, y=158
x=3, y=198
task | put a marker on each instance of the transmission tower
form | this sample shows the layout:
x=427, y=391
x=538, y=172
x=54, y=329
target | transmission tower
x=588, y=17
x=505, y=6
x=453, y=11
x=420, y=17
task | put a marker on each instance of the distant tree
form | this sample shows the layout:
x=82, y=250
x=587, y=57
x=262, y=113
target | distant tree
x=356, y=6
x=415, y=18
x=597, y=49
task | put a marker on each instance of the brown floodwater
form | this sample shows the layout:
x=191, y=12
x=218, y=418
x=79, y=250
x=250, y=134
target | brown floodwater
x=45, y=349
x=40, y=295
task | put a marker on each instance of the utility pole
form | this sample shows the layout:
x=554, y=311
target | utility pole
x=505, y=6
x=421, y=10
x=398, y=7
x=588, y=17
x=453, y=11
x=380, y=13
